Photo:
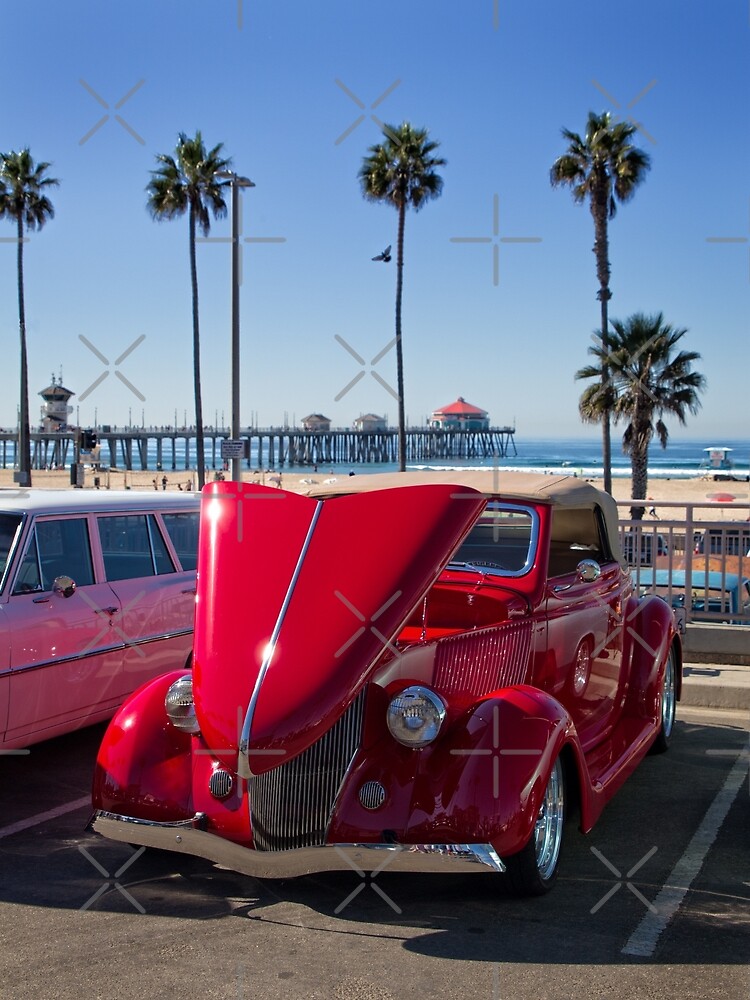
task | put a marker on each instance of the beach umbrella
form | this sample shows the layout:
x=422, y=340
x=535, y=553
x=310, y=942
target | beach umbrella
x=721, y=497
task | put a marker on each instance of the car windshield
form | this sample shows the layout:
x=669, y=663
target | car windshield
x=9, y=529
x=502, y=542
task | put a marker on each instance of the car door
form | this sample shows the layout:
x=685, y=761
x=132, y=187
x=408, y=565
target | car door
x=156, y=594
x=65, y=654
x=585, y=613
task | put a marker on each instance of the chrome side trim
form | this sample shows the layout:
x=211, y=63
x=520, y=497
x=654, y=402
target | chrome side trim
x=184, y=838
x=243, y=764
x=100, y=651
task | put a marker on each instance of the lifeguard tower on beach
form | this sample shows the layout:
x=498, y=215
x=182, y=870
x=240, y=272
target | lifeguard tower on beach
x=717, y=459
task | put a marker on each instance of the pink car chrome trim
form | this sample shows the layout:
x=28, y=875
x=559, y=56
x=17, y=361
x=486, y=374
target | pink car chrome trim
x=244, y=762
x=185, y=837
x=99, y=651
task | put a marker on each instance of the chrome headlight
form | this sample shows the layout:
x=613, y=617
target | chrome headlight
x=415, y=716
x=179, y=705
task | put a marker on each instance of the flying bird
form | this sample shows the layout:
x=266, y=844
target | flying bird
x=385, y=256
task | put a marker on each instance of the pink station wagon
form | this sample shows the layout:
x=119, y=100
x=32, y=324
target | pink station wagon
x=97, y=594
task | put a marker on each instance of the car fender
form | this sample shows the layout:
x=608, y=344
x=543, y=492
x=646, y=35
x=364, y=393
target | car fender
x=483, y=779
x=650, y=632
x=143, y=767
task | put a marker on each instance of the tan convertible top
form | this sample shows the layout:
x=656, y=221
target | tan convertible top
x=566, y=491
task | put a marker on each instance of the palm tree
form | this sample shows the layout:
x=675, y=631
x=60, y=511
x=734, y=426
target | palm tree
x=647, y=380
x=602, y=168
x=23, y=198
x=190, y=182
x=401, y=171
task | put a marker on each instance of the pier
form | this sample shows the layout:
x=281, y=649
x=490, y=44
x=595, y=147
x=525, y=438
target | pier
x=144, y=448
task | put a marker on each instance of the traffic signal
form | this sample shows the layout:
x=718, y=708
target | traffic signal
x=87, y=440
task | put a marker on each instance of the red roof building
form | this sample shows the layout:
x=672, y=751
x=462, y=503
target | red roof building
x=460, y=416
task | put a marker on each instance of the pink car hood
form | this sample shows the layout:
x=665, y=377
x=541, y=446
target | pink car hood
x=299, y=598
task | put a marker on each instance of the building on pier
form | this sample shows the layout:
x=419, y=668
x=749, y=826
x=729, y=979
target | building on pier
x=460, y=415
x=316, y=422
x=370, y=423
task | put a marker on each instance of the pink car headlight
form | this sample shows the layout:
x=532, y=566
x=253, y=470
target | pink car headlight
x=179, y=705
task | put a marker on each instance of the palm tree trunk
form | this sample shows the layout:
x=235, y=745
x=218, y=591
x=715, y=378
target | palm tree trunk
x=24, y=438
x=599, y=210
x=199, y=449
x=399, y=351
x=639, y=487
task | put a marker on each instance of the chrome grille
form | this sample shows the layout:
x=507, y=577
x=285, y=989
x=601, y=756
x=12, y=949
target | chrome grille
x=481, y=661
x=291, y=805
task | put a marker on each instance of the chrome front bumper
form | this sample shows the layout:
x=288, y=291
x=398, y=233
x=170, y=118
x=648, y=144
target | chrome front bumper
x=186, y=838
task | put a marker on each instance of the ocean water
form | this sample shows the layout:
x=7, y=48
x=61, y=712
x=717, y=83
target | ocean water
x=680, y=460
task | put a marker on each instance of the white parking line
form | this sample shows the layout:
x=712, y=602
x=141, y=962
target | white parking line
x=25, y=824
x=645, y=937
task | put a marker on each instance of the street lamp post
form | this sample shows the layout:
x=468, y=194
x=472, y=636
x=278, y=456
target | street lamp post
x=235, y=182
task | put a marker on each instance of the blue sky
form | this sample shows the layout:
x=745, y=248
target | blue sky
x=494, y=81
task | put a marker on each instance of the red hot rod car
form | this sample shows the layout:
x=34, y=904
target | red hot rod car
x=430, y=666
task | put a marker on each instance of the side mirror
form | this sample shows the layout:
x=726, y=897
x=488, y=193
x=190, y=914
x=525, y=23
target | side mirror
x=588, y=570
x=64, y=586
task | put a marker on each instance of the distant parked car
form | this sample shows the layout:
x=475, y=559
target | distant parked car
x=641, y=544
x=731, y=540
x=713, y=596
x=427, y=676
x=97, y=591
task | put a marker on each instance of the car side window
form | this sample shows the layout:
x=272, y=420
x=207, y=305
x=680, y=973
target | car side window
x=576, y=535
x=183, y=532
x=57, y=547
x=132, y=547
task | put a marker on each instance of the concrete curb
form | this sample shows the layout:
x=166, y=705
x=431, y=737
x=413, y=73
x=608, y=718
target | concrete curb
x=716, y=685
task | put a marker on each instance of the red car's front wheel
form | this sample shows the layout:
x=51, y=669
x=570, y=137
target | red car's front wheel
x=533, y=871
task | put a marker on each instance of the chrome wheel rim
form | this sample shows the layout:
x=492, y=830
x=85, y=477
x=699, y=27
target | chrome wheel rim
x=668, y=697
x=549, y=824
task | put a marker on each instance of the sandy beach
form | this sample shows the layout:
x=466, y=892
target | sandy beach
x=666, y=496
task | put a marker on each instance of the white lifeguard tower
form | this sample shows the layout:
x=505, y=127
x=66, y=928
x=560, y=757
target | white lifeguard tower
x=717, y=459
x=56, y=410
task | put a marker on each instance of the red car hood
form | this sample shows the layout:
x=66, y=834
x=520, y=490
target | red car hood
x=299, y=598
